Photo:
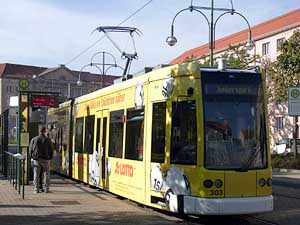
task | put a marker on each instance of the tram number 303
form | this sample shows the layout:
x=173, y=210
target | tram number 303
x=216, y=192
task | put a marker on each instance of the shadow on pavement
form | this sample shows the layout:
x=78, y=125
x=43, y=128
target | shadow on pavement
x=124, y=218
x=25, y=206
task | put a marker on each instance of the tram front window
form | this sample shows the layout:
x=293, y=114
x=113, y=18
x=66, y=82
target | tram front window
x=184, y=133
x=235, y=137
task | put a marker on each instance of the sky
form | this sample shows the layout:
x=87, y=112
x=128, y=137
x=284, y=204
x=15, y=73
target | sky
x=52, y=32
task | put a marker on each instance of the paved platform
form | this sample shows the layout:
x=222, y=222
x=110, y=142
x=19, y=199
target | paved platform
x=72, y=203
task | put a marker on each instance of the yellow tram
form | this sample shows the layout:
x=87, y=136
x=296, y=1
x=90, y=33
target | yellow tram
x=182, y=138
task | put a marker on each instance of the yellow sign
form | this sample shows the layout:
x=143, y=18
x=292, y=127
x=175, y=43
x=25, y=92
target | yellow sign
x=24, y=113
x=24, y=98
x=24, y=140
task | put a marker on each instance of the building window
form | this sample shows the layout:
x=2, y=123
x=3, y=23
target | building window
x=265, y=48
x=158, y=132
x=116, y=134
x=279, y=43
x=134, y=134
x=279, y=122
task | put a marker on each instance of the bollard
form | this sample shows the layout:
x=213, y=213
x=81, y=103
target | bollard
x=23, y=172
x=19, y=178
x=15, y=172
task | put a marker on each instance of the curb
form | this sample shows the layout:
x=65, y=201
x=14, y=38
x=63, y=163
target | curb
x=294, y=171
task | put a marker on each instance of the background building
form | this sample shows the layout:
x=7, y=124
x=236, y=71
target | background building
x=267, y=37
x=59, y=79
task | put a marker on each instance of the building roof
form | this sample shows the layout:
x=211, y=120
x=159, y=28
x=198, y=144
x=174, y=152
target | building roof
x=270, y=27
x=92, y=77
x=19, y=71
x=16, y=71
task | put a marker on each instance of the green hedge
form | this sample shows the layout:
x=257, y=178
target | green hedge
x=287, y=161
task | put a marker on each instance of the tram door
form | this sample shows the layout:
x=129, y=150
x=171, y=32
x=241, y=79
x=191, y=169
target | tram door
x=101, y=146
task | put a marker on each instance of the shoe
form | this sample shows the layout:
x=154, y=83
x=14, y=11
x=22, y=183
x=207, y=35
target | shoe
x=36, y=191
x=46, y=191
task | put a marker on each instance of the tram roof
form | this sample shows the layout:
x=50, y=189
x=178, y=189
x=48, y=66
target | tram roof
x=158, y=74
x=144, y=78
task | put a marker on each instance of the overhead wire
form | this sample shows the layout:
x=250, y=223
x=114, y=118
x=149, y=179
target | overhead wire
x=96, y=42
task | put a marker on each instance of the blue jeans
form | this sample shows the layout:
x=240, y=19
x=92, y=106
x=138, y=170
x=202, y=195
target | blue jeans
x=41, y=168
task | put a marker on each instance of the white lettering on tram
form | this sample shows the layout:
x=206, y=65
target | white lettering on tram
x=124, y=169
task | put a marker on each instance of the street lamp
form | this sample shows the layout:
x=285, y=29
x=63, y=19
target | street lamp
x=79, y=82
x=172, y=40
x=250, y=43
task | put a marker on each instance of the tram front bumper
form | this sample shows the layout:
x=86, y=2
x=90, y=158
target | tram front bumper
x=227, y=206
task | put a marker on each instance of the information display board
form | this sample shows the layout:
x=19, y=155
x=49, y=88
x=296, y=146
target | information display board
x=44, y=100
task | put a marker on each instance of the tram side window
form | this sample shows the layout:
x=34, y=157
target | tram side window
x=89, y=134
x=57, y=138
x=184, y=133
x=64, y=136
x=158, y=132
x=116, y=134
x=79, y=135
x=98, y=135
x=134, y=134
x=52, y=134
x=60, y=138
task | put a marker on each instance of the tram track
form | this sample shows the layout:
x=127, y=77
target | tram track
x=286, y=196
x=258, y=220
x=230, y=220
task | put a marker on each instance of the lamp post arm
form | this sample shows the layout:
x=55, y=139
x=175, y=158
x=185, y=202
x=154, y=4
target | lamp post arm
x=106, y=64
x=103, y=53
x=93, y=64
x=249, y=28
x=82, y=68
x=172, y=25
x=191, y=8
x=232, y=13
x=209, y=8
x=243, y=18
x=113, y=66
x=215, y=23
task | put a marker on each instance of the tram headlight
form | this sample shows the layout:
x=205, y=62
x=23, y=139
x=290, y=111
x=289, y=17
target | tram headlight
x=269, y=182
x=208, y=183
x=262, y=182
x=218, y=183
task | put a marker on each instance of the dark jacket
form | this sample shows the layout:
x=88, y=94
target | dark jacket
x=41, y=147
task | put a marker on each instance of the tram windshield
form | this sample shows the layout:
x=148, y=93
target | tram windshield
x=234, y=121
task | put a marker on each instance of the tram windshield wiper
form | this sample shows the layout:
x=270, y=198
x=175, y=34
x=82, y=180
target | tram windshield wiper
x=247, y=163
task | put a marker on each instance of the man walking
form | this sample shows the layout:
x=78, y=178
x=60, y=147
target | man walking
x=41, y=150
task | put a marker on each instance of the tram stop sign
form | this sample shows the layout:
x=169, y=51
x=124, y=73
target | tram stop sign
x=294, y=101
x=23, y=84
